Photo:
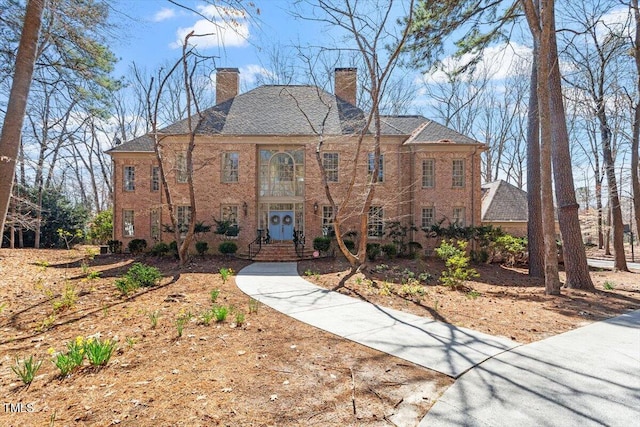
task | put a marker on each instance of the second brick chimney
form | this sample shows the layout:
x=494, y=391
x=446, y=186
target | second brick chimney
x=227, y=83
x=345, y=84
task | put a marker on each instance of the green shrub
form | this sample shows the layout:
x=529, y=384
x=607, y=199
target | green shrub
x=511, y=248
x=202, y=247
x=456, y=260
x=322, y=243
x=124, y=285
x=373, y=250
x=390, y=250
x=137, y=246
x=350, y=244
x=173, y=246
x=228, y=248
x=143, y=275
x=220, y=313
x=101, y=227
x=160, y=249
x=115, y=246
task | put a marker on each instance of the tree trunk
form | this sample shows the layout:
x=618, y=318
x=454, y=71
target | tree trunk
x=16, y=107
x=575, y=257
x=535, y=236
x=542, y=33
x=635, y=141
x=619, y=261
x=599, y=208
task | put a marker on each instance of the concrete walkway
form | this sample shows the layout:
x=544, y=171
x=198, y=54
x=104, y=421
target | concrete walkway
x=435, y=345
x=586, y=377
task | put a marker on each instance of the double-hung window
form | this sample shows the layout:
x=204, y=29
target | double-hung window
x=330, y=165
x=371, y=165
x=155, y=178
x=129, y=180
x=230, y=162
x=127, y=223
x=427, y=217
x=181, y=168
x=376, y=221
x=458, y=173
x=428, y=173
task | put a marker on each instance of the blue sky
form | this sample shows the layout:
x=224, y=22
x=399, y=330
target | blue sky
x=151, y=30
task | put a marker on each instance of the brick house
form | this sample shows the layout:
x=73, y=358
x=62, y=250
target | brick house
x=255, y=165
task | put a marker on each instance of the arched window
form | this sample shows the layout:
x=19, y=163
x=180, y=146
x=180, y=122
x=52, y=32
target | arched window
x=281, y=171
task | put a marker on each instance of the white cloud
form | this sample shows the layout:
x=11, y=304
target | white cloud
x=163, y=14
x=617, y=20
x=252, y=74
x=224, y=27
x=497, y=63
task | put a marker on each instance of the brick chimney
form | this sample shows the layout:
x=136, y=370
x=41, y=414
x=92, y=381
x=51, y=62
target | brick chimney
x=346, y=84
x=227, y=82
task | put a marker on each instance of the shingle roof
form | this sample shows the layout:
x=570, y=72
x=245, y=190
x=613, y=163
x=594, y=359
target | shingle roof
x=502, y=201
x=142, y=143
x=433, y=132
x=297, y=110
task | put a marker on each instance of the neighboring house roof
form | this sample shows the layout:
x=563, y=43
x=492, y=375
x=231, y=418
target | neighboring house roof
x=503, y=202
x=286, y=110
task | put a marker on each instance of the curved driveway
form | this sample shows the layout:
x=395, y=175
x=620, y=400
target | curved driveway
x=586, y=377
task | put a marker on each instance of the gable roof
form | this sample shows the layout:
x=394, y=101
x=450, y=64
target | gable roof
x=292, y=110
x=502, y=202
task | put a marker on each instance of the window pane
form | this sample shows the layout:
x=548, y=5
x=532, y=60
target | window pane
x=184, y=219
x=458, y=216
x=230, y=213
x=129, y=178
x=370, y=165
x=230, y=162
x=428, y=173
x=155, y=224
x=427, y=217
x=127, y=223
x=155, y=178
x=376, y=224
x=330, y=164
x=181, y=168
x=458, y=173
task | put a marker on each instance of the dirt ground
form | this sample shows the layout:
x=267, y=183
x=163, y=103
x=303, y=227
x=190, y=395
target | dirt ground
x=268, y=371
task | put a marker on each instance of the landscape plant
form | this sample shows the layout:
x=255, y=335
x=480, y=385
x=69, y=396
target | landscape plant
x=143, y=275
x=153, y=317
x=26, y=369
x=67, y=300
x=99, y=352
x=214, y=295
x=101, y=227
x=137, y=246
x=254, y=304
x=202, y=248
x=220, y=313
x=322, y=244
x=160, y=249
x=239, y=319
x=457, y=261
x=228, y=248
x=225, y=273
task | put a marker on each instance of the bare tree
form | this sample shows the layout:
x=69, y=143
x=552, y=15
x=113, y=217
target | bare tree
x=14, y=117
x=538, y=17
x=369, y=27
x=595, y=57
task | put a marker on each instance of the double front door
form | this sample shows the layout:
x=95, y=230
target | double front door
x=281, y=225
